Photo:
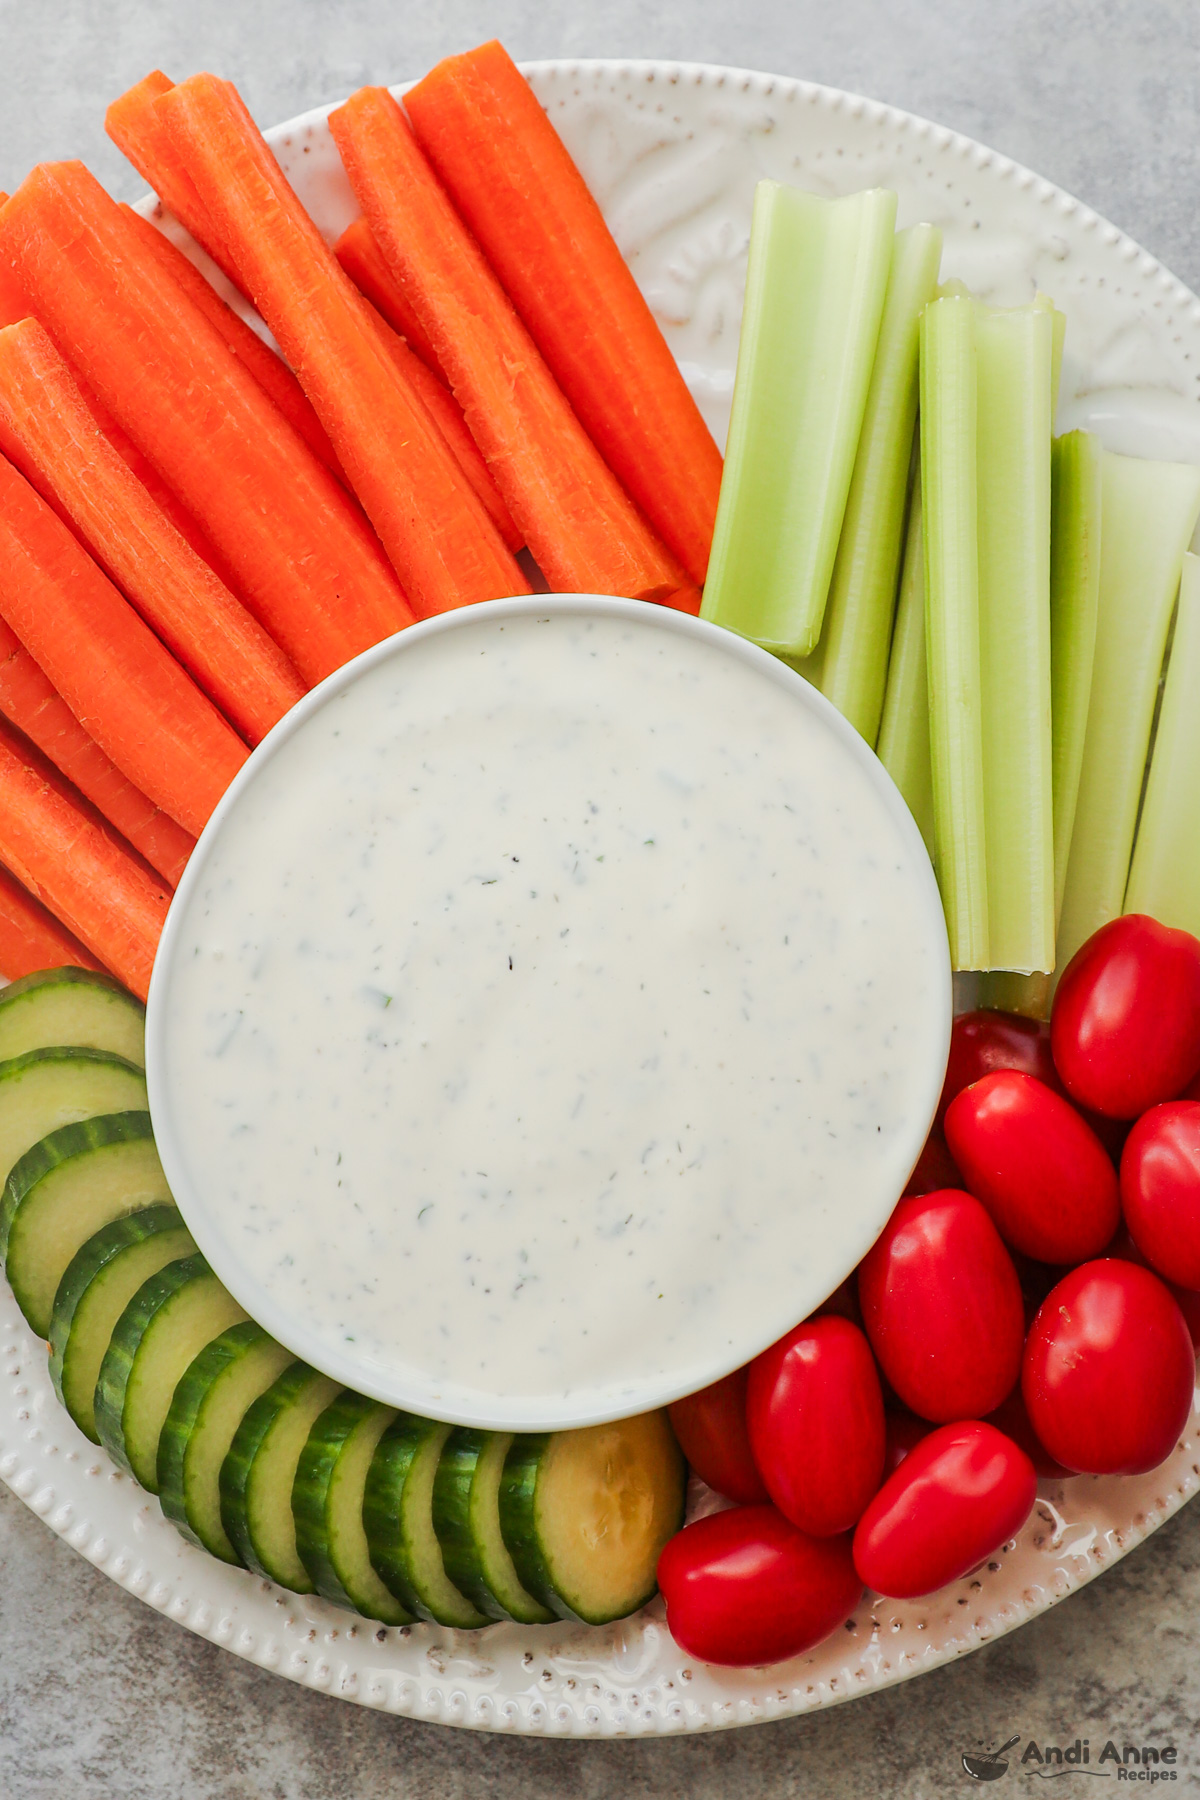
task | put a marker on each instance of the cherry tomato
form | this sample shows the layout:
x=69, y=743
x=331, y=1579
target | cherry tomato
x=1160, y=1189
x=814, y=1411
x=1012, y=1418
x=711, y=1429
x=747, y=1587
x=1186, y=1299
x=981, y=1042
x=942, y=1307
x=1125, y=1028
x=1043, y=1175
x=903, y=1432
x=935, y=1167
x=961, y=1493
x=1109, y=1370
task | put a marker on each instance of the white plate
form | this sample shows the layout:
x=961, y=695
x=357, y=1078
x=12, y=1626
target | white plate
x=673, y=151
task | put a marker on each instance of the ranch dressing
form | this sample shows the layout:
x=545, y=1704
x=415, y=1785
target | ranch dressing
x=551, y=1015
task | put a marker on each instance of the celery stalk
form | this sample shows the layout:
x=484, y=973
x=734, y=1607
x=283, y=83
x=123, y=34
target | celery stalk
x=853, y=651
x=1014, y=356
x=1074, y=597
x=1165, y=877
x=903, y=746
x=950, y=530
x=1059, y=321
x=1148, y=514
x=815, y=286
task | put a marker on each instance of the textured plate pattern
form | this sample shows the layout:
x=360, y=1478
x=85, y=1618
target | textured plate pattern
x=673, y=152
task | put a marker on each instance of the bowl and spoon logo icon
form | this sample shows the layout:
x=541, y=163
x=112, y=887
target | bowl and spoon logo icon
x=988, y=1766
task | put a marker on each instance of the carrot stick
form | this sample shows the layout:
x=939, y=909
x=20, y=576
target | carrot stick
x=32, y=938
x=301, y=554
x=30, y=701
x=125, y=689
x=580, y=526
x=512, y=179
x=270, y=371
x=96, y=889
x=447, y=415
x=141, y=135
x=366, y=265
x=47, y=430
x=440, y=540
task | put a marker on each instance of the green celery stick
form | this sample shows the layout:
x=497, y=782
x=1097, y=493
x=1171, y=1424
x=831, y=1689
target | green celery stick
x=1059, y=321
x=1074, y=597
x=1014, y=357
x=903, y=746
x=950, y=529
x=1148, y=514
x=853, y=650
x=815, y=288
x=1164, y=880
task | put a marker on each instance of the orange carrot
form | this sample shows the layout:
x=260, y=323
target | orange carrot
x=47, y=430
x=366, y=265
x=440, y=539
x=96, y=889
x=302, y=556
x=270, y=371
x=32, y=938
x=580, y=526
x=125, y=689
x=447, y=415
x=30, y=701
x=512, y=179
x=141, y=135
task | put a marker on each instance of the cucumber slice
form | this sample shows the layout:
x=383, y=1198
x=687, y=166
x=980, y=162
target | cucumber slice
x=259, y=1471
x=466, y=1517
x=100, y=1281
x=585, y=1514
x=210, y=1402
x=398, y=1516
x=44, y=1089
x=327, y=1503
x=71, y=1006
x=63, y=1190
x=168, y=1322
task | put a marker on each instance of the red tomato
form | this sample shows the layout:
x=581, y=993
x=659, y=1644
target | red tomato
x=1186, y=1299
x=934, y=1168
x=1125, y=1028
x=814, y=1411
x=1012, y=1418
x=982, y=1042
x=1043, y=1175
x=961, y=1493
x=747, y=1587
x=903, y=1432
x=711, y=1428
x=1160, y=1189
x=942, y=1307
x=843, y=1301
x=1109, y=1370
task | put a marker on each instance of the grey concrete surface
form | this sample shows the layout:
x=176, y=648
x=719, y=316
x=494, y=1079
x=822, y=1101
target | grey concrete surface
x=102, y=1699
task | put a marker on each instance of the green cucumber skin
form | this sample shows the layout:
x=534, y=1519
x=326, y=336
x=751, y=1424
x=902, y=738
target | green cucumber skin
x=452, y=1518
x=313, y=1473
x=82, y=1138
x=239, y=1461
x=381, y=1505
x=66, y=976
x=189, y=1396
x=87, y=1262
x=518, y=1495
x=66, y=1142
x=117, y=1366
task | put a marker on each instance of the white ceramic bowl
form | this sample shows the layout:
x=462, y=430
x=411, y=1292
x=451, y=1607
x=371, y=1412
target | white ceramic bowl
x=318, y=1152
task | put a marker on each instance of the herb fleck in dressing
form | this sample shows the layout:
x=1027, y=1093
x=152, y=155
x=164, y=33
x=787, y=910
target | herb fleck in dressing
x=558, y=1009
